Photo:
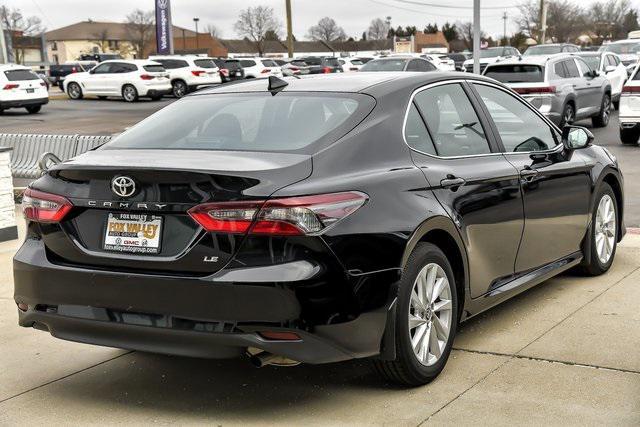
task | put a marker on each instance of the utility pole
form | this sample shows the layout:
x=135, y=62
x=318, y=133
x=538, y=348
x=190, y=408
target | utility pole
x=289, y=30
x=476, y=36
x=543, y=21
x=504, y=32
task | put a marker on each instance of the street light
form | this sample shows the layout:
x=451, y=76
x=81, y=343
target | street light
x=196, y=21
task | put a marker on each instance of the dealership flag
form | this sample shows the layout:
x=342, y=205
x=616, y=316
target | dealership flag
x=164, y=28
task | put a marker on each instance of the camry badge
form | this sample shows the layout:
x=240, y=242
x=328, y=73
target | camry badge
x=123, y=186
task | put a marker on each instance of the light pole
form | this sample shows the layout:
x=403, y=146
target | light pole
x=196, y=21
x=476, y=36
x=289, y=30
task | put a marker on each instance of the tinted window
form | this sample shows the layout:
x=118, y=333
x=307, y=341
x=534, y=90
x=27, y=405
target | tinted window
x=269, y=63
x=560, y=70
x=452, y=121
x=584, y=68
x=517, y=73
x=420, y=65
x=119, y=67
x=520, y=128
x=356, y=62
x=313, y=61
x=232, y=65
x=385, y=65
x=171, y=64
x=205, y=63
x=593, y=61
x=572, y=69
x=249, y=121
x=103, y=68
x=154, y=68
x=247, y=63
x=416, y=134
x=17, y=75
x=332, y=62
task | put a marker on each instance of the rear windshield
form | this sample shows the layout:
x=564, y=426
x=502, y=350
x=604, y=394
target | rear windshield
x=313, y=61
x=519, y=73
x=287, y=122
x=356, y=62
x=622, y=48
x=332, y=61
x=384, y=65
x=247, y=63
x=154, y=68
x=269, y=63
x=491, y=52
x=17, y=75
x=232, y=65
x=542, y=50
x=205, y=63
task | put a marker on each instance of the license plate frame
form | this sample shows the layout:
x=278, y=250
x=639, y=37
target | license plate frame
x=30, y=90
x=133, y=233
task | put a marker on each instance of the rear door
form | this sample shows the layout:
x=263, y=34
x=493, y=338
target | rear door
x=592, y=94
x=556, y=186
x=477, y=186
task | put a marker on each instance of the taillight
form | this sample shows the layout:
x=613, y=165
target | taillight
x=282, y=217
x=146, y=77
x=534, y=90
x=73, y=70
x=10, y=86
x=265, y=70
x=294, y=69
x=630, y=89
x=224, y=72
x=197, y=73
x=326, y=70
x=44, y=207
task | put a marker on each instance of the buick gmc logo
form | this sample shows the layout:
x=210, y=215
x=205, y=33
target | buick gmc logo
x=123, y=186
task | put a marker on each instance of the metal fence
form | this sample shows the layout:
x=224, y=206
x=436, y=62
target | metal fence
x=27, y=149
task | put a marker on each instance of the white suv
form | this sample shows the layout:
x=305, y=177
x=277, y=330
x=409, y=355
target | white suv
x=21, y=88
x=260, y=68
x=187, y=73
x=126, y=79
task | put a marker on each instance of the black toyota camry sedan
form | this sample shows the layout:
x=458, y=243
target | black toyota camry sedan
x=315, y=220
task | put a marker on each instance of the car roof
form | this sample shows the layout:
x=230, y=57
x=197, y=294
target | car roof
x=362, y=82
x=7, y=67
x=133, y=61
x=534, y=59
x=624, y=41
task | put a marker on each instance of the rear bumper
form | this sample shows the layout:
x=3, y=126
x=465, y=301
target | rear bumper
x=177, y=315
x=19, y=103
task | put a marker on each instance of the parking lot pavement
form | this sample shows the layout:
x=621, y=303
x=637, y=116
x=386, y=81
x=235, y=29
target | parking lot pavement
x=86, y=117
x=563, y=353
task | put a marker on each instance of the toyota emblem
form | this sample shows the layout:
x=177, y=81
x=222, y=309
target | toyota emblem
x=123, y=186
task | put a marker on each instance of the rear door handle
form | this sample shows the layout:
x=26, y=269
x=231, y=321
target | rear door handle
x=452, y=182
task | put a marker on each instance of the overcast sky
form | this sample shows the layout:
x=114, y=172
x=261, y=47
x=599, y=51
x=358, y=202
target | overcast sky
x=353, y=15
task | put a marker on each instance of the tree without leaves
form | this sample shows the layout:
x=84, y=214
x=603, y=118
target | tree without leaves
x=565, y=20
x=213, y=31
x=378, y=29
x=327, y=30
x=140, y=29
x=606, y=19
x=630, y=22
x=15, y=22
x=254, y=23
x=466, y=34
x=101, y=40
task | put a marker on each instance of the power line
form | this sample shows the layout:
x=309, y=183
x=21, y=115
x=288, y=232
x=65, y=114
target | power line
x=423, y=12
x=419, y=3
x=42, y=13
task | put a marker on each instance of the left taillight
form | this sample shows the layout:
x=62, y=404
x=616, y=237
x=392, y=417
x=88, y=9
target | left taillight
x=289, y=216
x=147, y=77
x=39, y=206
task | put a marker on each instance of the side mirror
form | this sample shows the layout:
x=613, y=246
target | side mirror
x=594, y=73
x=576, y=137
x=609, y=69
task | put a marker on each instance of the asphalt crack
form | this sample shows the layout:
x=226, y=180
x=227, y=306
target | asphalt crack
x=64, y=377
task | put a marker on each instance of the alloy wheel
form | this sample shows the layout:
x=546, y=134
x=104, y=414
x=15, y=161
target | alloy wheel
x=179, y=89
x=430, y=314
x=605, y=228
x=606, y=109
x=74, y=91
x=129, y=93
x=568, y=115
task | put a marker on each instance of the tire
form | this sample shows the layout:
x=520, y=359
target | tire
x=129, y=93
x=568, y=115
x=34, y=109
x=602, y=119
x=411, y=367
x=599, y=262
x=629, y=136
x=179, y=88
x=74, y=91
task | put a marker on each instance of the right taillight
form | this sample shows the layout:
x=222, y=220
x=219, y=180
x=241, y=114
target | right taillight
x=628, y=90
x=147, y=77
x=224, y=72
x=281, y=217
x=44, y=207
